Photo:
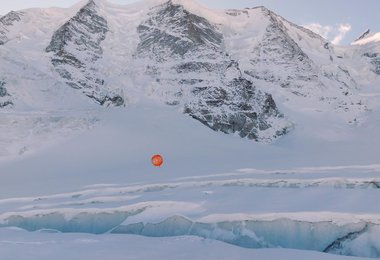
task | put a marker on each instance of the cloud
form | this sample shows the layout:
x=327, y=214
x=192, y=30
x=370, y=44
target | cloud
x=333, y=33
x=343, y=30
x=323, y=31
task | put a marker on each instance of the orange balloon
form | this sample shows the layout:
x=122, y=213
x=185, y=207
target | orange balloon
x=157, y=160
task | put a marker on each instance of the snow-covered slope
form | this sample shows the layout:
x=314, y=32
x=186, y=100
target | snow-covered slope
x=295, y=65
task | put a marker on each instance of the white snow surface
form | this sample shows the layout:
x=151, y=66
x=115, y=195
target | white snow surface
x=102, y=182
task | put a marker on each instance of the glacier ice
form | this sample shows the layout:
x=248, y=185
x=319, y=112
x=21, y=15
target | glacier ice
x=356, y=238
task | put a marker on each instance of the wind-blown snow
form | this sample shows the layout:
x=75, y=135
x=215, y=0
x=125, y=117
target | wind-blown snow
x=368, y=39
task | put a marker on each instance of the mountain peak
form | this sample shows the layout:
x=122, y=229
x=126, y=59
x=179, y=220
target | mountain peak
x=366, y=38
x=363, y=35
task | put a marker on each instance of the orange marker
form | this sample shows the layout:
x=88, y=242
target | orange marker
x=157, y=160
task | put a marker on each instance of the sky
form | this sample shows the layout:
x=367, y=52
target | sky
x=340, y=21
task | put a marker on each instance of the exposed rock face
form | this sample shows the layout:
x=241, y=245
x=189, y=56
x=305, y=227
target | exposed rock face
x=3, y=90
x=8, y=20
x=236, y=106
x=376, y=63
x=4, y=96
x=364, y=35
x=193, y=70
x=76, y=47
x=374, y=60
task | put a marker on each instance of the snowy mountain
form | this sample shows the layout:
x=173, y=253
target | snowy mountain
x=231, y=70
x=193, y=68
x=302, y=64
